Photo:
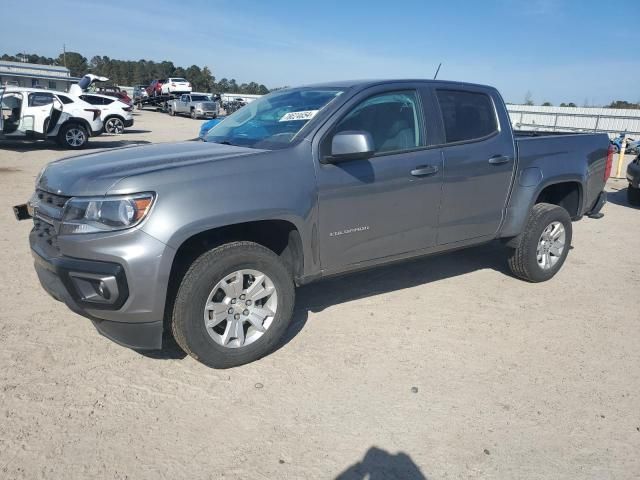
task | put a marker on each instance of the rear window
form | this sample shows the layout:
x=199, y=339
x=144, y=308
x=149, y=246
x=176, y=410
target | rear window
x=199, y=98
x=466, y=115
x=178, y=80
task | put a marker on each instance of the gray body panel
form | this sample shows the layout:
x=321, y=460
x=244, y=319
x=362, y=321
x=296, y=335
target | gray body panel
x=349, y=216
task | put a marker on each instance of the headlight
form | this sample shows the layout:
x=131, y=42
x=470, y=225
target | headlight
x=100, y=214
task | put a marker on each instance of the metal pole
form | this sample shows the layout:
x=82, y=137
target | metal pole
x=623, y=146
x=595, y=129
x=555, y=122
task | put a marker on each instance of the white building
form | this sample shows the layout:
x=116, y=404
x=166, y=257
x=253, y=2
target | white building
x=31, y=75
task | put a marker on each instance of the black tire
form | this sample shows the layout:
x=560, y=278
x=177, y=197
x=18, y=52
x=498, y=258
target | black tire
x=633, y=196
x=204, y=273
x=113, y=125
x=172, y=111
x=616, y=148
x=193, y=114
x=65, y=142
x=523, y=260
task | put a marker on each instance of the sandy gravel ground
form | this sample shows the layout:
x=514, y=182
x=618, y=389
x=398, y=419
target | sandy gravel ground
x=441, y=368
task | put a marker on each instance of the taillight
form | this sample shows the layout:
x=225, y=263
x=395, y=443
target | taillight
x=609, y=164
x=188, y=84
x=96, y=113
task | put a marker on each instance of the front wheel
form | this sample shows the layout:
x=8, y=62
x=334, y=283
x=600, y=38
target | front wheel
x=73, y=136
x=633, y=196
x=193, y=114
x=544, y=244
x=233, y=305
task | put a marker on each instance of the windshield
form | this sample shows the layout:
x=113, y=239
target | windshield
x=200, y=98
x=274, y=120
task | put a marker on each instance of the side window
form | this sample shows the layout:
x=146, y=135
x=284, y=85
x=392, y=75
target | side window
x=92, y=99
x=65, y=100
x=466, y=115
x=40, y=99
x=392, y=118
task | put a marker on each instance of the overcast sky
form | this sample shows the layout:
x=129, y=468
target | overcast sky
x=560, y=51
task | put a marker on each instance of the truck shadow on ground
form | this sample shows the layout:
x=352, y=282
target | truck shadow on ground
x=378, y=464
x=398, y=276
x=22, y=147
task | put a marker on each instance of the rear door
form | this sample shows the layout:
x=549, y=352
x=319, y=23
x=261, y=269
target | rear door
x=479, y=160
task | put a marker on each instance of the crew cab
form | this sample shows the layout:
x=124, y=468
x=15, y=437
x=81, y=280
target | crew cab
x=196, y=105
x=209, y=239
x=37, y=114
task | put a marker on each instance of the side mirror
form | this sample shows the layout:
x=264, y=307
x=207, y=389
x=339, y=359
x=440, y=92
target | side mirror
x=350, y=145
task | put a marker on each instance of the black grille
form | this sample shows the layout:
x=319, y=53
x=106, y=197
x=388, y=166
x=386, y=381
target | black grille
x=46, y=232
x=51, y=198
x=49, y=209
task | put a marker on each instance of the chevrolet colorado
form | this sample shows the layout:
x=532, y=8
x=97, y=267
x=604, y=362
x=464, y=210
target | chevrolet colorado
x=209, y=239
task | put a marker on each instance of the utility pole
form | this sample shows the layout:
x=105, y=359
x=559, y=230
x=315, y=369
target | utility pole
x=64, y=54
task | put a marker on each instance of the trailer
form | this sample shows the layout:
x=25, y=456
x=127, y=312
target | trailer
x=157, y=102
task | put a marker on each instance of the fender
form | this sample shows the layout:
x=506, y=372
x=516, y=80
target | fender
x=524, y=197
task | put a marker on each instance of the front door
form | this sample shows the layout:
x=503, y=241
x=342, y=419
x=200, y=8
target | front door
x=479, y=161
x=388, y=204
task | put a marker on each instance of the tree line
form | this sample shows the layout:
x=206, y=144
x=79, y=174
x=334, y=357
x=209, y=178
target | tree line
x=141, y=72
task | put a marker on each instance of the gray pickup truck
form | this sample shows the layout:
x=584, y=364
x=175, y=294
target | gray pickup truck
x=208, y=240
x=195, y=105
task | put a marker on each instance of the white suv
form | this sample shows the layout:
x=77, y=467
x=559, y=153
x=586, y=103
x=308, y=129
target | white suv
x=175, y=85
x=116, y=115
x=37, y=114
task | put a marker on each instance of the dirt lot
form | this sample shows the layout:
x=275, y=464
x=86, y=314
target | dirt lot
x=445, y=367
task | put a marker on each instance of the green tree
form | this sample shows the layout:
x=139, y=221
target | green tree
x=76, y=63
x=547, y=104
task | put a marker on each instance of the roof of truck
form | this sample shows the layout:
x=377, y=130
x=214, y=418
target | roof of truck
x=374, y=82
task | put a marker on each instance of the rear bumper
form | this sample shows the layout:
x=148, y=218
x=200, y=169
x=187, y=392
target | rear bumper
x=128, y=123
x=633, y=174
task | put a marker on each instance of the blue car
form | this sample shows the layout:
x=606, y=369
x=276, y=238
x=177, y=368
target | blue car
x=208, y=125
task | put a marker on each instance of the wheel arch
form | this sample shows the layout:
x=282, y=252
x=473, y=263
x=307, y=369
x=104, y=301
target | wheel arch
x=525, y=197
x=280, y=236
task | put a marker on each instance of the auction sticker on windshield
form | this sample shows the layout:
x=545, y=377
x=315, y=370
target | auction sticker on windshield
x=305, y=115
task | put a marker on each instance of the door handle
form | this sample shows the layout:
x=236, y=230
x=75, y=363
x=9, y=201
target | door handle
x=424, y=170
x=498, y=159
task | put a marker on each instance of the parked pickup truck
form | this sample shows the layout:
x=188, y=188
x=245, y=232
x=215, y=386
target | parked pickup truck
x=209, y=239
x=197, y=106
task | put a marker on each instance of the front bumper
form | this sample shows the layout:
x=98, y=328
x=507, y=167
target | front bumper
x=116, y=281
x=633, y=173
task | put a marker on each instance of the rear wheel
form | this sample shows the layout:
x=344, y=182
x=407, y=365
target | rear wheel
x=114, y=125
x=544, y=244
x=73, y=136
x=233, y=305
x=633, y=196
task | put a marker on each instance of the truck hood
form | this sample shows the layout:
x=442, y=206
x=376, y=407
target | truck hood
x=96, y=173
